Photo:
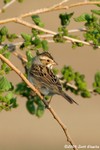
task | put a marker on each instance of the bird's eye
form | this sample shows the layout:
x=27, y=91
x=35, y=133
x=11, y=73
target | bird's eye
x=48, y=60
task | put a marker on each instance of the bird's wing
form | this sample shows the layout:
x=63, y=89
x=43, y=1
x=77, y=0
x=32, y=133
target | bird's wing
x=45, y=76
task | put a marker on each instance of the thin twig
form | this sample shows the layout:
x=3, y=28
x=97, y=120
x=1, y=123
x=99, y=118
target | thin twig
x=6, y=6
x=44, y=10
x=77, y=30
x=59, y=4
x=53, y=8
x=38, y=93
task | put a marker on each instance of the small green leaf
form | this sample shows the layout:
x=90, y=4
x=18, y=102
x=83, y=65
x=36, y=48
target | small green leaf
x=86, y=94
x=82, y=17
x=22, y=89
x=6, y=1
x=29, y=55
x=3, y=31
x=40, y=111
x=34, y=32
x=11, y=37
x=26, y=37
x=97, y=12
x=5, y=85
x=31, y=107
x=97, y=89
x=97, y=79
x=7, y=55
x=2, y=38
x=44, y=45
x=29, y=58
x=3, y=50
x=5, y=68
x=37, y=43
x=37, y=20
x=68, y=73
x=59, y=38
x=9, y=96
x=65, y=18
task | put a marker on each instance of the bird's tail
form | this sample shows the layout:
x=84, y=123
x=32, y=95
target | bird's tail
x=68, y=98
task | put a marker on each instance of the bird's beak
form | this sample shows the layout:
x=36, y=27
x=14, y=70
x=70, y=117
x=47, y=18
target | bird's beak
x=55, y=63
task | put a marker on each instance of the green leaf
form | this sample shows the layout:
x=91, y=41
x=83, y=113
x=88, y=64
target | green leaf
x=9, y=96
x=65, y=18
x=7, y=101
x=11, y=37
x=3, y=31
x=7, y=55
x=22, y=89
x=97, y=12
x=5, y=68
x=68, y=73
x=86, y=93
x=82, y=17
x=26, y=37
x=37, y=20
x=37, y=43
x=29, y=58
x=29, y=55
x=34, y=32
x=6, y=1
x=97, y=79
x=3, y=50
x=44, y=45
x=5, y=85
x=59, y=38
x=31, y=107
x=2, y=38
x=97, y=89
x=40, y=111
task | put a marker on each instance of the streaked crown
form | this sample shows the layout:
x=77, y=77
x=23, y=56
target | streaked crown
x=47, y=59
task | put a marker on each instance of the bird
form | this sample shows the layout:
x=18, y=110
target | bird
x=42, y=77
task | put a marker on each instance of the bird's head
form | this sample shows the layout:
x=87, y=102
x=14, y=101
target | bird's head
x=46, y=59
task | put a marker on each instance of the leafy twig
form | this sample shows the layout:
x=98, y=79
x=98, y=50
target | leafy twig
x=46, y=104
x=20, y=21
x=55, y=7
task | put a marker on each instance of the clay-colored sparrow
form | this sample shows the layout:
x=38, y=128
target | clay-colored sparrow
x=43, y=78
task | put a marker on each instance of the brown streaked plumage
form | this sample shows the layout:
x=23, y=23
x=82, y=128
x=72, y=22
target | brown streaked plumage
x=42, y=76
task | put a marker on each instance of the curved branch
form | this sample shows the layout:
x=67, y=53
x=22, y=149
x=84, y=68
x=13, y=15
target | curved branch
x=49, y=9
x=45, y=102
x=58, y=7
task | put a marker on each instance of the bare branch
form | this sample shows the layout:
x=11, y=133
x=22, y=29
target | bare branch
x=58, y=7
